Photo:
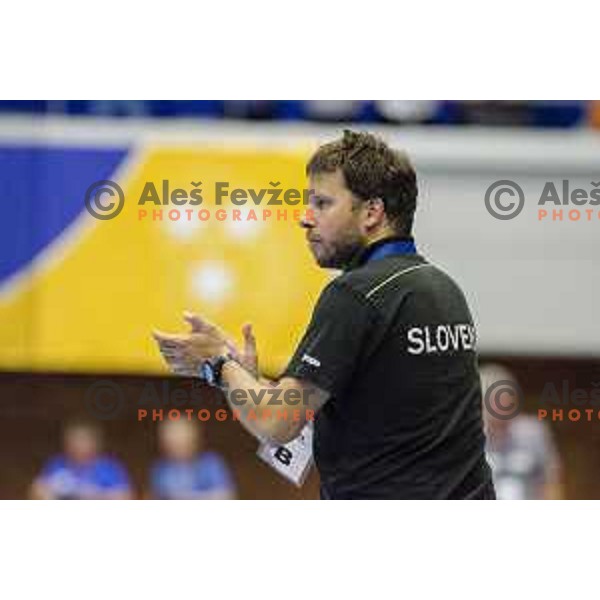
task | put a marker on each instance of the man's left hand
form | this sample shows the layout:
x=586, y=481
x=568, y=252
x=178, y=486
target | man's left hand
x=185, y=353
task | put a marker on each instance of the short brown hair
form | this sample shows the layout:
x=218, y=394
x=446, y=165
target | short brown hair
x=83, y=422
x=372, y=169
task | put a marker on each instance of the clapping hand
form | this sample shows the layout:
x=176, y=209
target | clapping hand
x=185, y=353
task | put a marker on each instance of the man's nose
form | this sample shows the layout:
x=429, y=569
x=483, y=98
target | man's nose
x=308, y=219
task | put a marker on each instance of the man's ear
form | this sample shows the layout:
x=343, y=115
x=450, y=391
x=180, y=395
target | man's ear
x=375, y=212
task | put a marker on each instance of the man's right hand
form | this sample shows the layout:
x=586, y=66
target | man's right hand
x=247, y=356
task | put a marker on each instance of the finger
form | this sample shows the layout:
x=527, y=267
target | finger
x=172, y=354
x=195, y=321
x=180, y=369
x=231, y=347
x=170, y=350
x=163, y=335
x=199, y=325
x=171, y=358
x=247, y=331
x=176, y=360
x=249, y=339
x=170, y=340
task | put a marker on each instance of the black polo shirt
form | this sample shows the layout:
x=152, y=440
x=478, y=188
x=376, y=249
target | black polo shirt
x=392, y=340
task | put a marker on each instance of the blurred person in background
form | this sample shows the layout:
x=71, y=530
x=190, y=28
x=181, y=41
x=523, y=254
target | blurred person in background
x=520, y=449
x=594, y=113
x=186, y=471
x=82, y=472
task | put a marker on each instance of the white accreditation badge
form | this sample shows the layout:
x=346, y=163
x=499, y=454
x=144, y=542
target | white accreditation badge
x=292, y=460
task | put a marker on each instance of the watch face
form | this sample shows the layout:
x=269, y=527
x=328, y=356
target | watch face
x=208, y=373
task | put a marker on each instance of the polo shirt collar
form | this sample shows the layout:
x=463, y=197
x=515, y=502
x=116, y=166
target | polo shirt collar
x=388, y=246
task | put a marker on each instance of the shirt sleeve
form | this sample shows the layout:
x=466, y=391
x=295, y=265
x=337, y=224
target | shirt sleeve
x=218, y=475
x=59, y=479
x=329, y=352
x=112, y=476
x=50, y=469
x=157, y=481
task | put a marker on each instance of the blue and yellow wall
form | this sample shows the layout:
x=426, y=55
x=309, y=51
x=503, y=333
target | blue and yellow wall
x=82, y=295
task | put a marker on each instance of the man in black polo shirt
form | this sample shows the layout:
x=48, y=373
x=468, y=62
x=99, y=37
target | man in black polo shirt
x=388, y=362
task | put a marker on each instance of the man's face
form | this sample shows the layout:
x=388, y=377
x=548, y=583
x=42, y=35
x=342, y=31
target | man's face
x=82, y=444
x=334, y=230
x=179, y=440
x=501, y=404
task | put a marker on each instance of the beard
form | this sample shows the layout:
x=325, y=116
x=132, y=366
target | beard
x=338, y=254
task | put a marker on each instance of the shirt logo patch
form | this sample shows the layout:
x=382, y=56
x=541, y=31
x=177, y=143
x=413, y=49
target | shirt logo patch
x=311, y=361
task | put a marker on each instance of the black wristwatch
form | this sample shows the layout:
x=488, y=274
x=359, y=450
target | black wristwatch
x=211, y=369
